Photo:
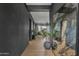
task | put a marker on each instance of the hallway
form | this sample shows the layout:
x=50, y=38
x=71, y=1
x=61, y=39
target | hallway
x=35, y=48
x=25, y=23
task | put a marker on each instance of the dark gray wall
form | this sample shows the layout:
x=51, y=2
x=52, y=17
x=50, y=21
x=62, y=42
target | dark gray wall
x=30, y=31
x=14, y=29
x=30, y=26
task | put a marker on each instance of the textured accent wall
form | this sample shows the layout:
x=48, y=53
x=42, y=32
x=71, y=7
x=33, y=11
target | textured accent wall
x=14, y=28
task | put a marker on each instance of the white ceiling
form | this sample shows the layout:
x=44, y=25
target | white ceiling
x=40, y=17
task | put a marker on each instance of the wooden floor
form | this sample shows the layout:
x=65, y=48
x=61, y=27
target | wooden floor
x=36, y=48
